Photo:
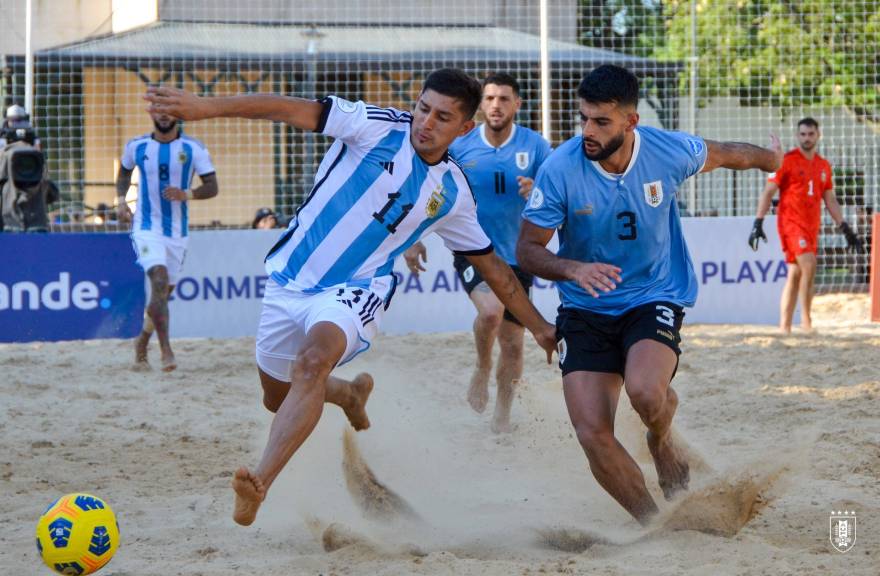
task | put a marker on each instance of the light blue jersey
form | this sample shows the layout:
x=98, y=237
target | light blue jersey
x=163, y=164
x=492, y=173
x=630, y=220
x=373, y=198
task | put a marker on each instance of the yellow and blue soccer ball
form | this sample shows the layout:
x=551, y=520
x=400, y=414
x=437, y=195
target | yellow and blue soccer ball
x=77, y=534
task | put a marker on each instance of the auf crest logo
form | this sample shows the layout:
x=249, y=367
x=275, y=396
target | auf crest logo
x=842, y=528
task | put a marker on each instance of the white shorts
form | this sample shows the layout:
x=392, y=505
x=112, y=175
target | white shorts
x=287, y=316
x=155, y=250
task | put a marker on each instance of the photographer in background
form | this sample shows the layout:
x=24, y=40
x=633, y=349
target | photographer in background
x=25, y=189
x=17, y=127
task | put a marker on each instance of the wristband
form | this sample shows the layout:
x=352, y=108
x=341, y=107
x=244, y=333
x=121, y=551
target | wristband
x=189, y=194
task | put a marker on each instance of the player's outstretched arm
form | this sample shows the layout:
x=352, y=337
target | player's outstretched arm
x=298, y=112
x=742, y=156
x=533, y=256
x=507, y=287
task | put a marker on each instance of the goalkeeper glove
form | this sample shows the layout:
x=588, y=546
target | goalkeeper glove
x=757, y=234
x=853, y=242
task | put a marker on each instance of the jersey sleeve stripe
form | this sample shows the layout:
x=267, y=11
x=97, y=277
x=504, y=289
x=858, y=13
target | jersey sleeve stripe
x=327, y=103
x=481, y=252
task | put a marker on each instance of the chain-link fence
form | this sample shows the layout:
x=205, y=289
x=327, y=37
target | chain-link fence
x=725, y=69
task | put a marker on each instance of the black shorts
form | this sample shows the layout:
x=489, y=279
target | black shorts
x=594, y=342
x=470, y=278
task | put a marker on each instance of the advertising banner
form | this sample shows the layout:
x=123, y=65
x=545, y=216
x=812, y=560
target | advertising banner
x=220, y=290
x=69, y=287
x=224, y=280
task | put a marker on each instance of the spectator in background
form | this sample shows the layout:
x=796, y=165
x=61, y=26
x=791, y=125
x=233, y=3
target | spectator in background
x=17, y=127
x=265, y=219
x=104, y=214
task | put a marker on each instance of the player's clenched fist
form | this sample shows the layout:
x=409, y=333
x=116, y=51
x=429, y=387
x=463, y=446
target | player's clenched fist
x=595, y=277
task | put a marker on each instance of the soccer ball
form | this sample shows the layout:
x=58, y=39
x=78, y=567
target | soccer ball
x=77, y=534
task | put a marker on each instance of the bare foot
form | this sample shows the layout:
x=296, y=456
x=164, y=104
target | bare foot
x=500, y=424
x=478, y=393
x=356, y=409
x=501, y=418
x=169, y=364
x=249, y=494
x=673, y=471
x=140, y=351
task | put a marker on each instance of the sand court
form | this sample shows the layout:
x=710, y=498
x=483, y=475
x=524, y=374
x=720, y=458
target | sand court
x=781, y=431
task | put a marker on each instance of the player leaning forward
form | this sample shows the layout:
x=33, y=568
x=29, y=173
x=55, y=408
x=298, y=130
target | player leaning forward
x=386, y=181
x=623, y=272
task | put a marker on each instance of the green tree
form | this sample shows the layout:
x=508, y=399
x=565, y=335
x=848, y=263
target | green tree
x=632, y=27
x=784, y=53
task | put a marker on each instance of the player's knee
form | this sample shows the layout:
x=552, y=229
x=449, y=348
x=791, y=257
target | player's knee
x=648, y=401
x=159, y=282
x=594, y=438
x=312, y=365
x=490, y=318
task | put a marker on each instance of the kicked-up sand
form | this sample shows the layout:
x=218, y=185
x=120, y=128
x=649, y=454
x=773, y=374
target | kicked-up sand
x=781, y=431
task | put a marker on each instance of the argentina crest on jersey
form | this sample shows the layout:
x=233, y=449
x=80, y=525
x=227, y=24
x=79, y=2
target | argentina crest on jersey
x=522, y=160
x=653, y=193
x=435, y=202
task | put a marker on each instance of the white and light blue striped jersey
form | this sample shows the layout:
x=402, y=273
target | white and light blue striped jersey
x=163, y=164
x=629, y=220
x=373, y=198
x=492, y=172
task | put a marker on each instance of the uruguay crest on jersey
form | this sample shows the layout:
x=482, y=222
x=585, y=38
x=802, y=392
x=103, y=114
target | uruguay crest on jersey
x=522, y=160
x=654, y=193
